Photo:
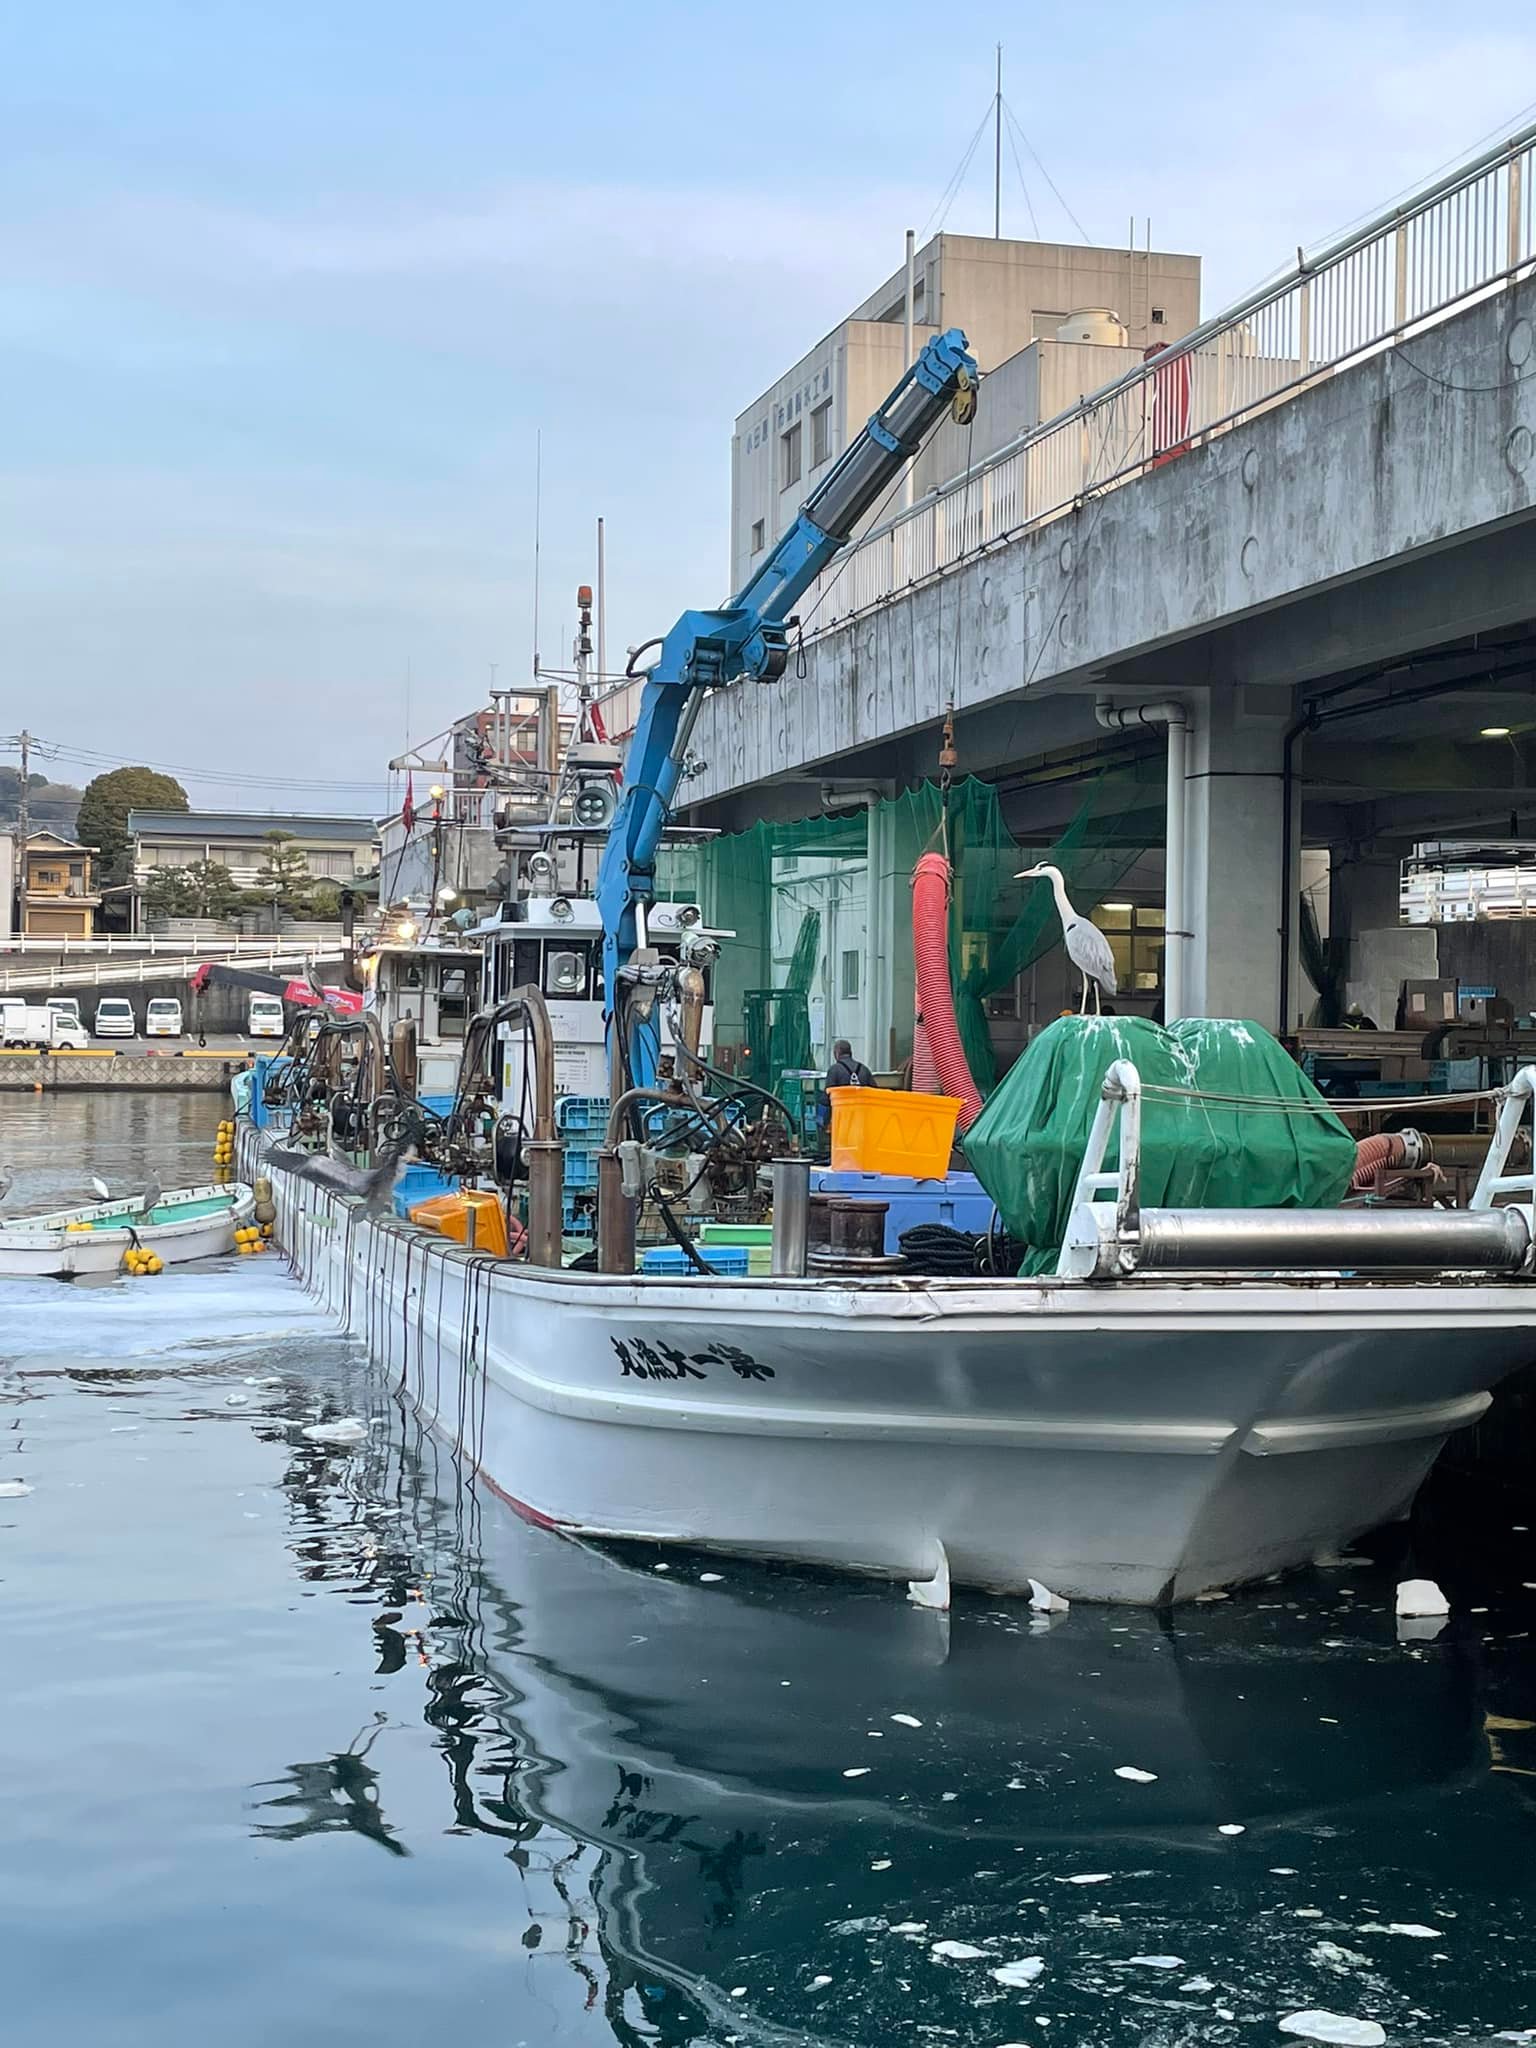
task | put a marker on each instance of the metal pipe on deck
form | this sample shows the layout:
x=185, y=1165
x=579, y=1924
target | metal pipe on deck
x=791, y=1217
x=1336, y=1240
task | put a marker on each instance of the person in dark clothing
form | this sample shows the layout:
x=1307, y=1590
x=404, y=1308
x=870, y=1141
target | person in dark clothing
x=845, y=1071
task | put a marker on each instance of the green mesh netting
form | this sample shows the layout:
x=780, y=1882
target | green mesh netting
x=799, y=897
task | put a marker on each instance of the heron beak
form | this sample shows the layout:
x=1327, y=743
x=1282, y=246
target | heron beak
x=1026, y=874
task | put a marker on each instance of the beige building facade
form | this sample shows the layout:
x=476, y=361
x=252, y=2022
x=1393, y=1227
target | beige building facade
x=1008, y=296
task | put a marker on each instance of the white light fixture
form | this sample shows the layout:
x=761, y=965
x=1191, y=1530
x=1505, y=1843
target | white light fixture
x=447, y=895
x=1494, y=732
x=406, y=928
x=1116, y=906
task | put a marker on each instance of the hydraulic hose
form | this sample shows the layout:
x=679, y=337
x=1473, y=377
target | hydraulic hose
x=935, y=997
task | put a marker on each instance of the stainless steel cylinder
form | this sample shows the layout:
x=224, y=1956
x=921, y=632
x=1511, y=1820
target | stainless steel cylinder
x=1351, y=1240
x=791, y=1217
x=615, y=1217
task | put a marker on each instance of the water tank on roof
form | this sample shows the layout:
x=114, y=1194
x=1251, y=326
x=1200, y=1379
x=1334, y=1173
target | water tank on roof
x=1096, y=324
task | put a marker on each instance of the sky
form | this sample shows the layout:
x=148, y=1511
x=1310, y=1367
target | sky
x=290, y=293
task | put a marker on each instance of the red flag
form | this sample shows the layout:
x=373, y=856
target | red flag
x=408, y=808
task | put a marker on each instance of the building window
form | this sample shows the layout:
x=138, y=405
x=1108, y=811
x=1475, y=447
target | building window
x=1135, y=935
x=850, y=981
x=759, y=536
x=821, y=434
x=789, y=457
x=1159, y=317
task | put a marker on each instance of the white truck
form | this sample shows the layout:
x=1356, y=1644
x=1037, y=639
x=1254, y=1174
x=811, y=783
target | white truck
x=265, y=1018
x=40, y=1029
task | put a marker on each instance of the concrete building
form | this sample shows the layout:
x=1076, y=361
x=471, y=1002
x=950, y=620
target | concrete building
x=335, y=849
x=1318, y=559
x=1006, y=295
x=56, y=892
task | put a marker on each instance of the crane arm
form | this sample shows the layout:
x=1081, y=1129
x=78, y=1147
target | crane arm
x=749, y=635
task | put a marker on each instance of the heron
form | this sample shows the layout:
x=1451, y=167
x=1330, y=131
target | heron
x=7, y=1180
x=149, y=1200
x=1087, y=947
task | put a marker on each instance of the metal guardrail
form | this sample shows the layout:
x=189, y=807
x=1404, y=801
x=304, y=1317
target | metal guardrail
x=1470, y=232
x=106, y=971
x=201, y=945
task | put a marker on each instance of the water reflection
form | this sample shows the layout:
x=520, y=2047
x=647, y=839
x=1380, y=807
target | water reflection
x=764, y=1798
x=336, y=1795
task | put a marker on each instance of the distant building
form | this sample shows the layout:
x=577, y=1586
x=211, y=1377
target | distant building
x=1010, y=297
x=335, y=849
x=56, y=897
x=7, y=885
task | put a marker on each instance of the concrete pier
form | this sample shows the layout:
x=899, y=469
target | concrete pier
x=160, y=1073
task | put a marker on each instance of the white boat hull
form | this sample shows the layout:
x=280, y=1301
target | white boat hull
x=42, y=1247
x=1140, y=1443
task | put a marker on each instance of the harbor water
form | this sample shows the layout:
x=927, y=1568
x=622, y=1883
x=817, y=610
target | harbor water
x=309, y=1739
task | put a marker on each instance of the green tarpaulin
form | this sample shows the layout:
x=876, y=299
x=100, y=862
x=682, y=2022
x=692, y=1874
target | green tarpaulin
x=1027, y=1144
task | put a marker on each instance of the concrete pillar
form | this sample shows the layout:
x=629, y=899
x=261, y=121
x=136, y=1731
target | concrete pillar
x=880, y=913
x=1235, y=836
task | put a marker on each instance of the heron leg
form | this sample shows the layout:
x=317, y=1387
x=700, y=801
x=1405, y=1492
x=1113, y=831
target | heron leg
x=1082, y=1008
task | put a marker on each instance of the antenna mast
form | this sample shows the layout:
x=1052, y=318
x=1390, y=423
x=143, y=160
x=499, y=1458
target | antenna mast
x=538, y=497
x=997, y=153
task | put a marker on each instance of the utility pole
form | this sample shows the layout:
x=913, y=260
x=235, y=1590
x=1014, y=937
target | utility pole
x=997, y=154
x=24, y=803
x=23, y=828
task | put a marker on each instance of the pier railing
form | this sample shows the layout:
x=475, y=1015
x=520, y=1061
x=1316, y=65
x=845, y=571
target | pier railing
x=1466, y=235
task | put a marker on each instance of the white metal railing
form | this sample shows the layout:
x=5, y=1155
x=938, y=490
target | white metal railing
x=1470, y=232
x=198, y=944
x=168, y=966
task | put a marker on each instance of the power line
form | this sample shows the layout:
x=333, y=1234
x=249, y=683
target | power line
x=89, y=757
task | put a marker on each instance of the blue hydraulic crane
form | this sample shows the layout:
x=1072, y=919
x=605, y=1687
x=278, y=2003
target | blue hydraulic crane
x=749, y=636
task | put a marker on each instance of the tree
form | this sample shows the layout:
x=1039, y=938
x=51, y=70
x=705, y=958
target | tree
x=104, y=808
x=166, y=893
x=283, y=877
x=211, y=887
x=204, y=888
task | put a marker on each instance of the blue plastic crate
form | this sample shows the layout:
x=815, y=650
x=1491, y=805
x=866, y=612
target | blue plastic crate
x=420, y=1184
x=580, y=1166
x=439, y=1105
x=261, y=1066
x=582, y=1112
x=730, y=1261
x=959, y=1200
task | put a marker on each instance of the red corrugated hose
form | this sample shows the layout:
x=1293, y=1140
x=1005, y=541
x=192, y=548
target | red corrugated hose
x=937, y=1024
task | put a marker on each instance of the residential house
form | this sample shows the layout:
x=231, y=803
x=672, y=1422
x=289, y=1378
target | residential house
x=57, y=896
x=335, y=849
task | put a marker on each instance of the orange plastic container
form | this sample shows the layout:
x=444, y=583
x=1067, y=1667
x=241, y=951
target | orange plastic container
x=449, y=1214
x=888, y=1130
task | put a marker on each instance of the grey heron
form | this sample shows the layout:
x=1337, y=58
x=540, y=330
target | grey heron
x=1087, y=947
x=7, y=1180
x=150, y=1198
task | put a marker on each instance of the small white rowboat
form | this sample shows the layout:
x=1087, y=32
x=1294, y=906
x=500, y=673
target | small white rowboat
x=187, y=1223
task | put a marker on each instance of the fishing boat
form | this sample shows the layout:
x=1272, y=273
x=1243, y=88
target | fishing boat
x=185, y=1224
x=1194, y=1398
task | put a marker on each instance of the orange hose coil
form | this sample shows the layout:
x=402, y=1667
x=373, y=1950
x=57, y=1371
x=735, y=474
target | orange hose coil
x=936, y=1022
x=1386, y=1149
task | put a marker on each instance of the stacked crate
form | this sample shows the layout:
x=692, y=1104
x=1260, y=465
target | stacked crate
x=583, y=1121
